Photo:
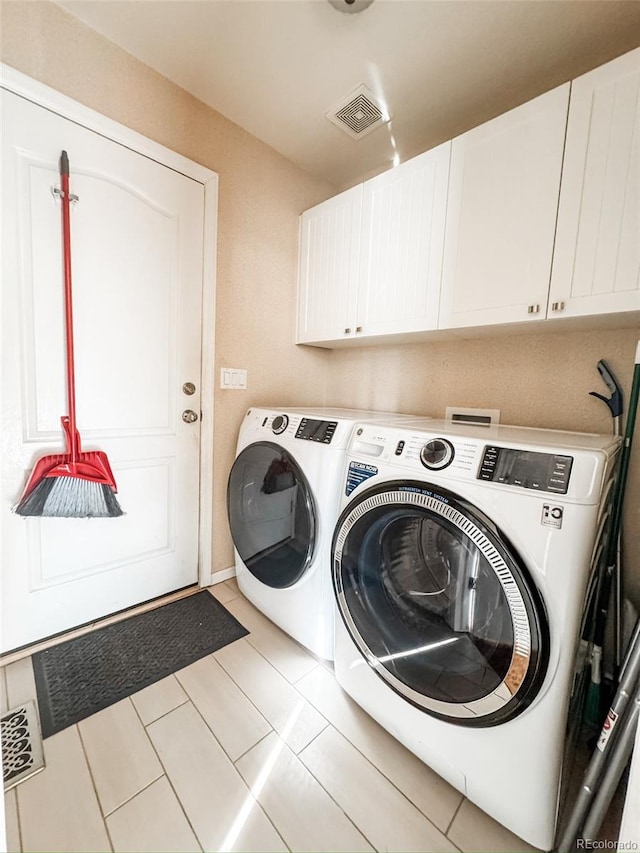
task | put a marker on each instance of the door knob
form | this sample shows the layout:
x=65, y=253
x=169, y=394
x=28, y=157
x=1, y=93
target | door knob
x=189, y=416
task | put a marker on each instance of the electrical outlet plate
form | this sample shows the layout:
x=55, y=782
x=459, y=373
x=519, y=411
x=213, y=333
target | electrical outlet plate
x=233, y=378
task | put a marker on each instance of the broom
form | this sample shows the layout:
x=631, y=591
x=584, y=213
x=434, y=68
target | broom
x=594, y=705
x=613, y=572
x=74, y=484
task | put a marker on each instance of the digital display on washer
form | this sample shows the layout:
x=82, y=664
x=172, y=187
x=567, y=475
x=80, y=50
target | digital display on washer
x=544, y=472
x=313, y=430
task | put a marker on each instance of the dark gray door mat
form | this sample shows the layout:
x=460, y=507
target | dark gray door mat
x=22, y=754
x=77, y=678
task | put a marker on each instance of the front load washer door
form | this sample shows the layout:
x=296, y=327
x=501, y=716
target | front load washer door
x=439, y=604
x=272, y=514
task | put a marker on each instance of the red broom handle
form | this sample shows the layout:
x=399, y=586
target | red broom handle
x=72, y=434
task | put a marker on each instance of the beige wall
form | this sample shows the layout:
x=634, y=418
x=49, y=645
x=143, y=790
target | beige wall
x=538, y=380
x=261, y=195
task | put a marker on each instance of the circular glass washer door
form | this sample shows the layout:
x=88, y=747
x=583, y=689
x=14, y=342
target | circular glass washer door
x=439, y=604
x=271, y=514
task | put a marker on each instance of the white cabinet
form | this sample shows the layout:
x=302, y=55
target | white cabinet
x=596, y=265
x=328, y=268
x=531, y=216
x=401, y=246
x=371, y=258
x=503, y=197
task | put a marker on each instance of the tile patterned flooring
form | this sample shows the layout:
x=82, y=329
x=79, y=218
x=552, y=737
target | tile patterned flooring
x=254, y=748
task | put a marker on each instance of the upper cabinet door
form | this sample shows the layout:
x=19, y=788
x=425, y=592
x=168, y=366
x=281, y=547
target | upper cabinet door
x=329, y=264
x=403, y=216
x=501, y=215
x=597, y=256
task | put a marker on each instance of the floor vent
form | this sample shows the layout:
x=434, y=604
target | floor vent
x=359, y=113
x=22, y=754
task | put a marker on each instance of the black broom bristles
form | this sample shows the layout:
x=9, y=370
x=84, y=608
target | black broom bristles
x=69, y=497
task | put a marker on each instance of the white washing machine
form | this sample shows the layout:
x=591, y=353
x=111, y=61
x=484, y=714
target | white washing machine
x=282, y=503
x=461, y=561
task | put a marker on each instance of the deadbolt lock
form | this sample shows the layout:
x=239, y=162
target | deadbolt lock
x=188, y=388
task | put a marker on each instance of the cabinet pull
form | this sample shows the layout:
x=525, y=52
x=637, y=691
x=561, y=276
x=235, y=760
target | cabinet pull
x=358, y=329
x=347, y=331
x=557, y=306
x=533, y=309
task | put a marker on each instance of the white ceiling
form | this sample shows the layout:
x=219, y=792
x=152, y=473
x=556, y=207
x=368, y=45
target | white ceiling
x=275, y=67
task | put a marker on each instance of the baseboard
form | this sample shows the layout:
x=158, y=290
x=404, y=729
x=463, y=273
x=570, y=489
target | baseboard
x=222, y=575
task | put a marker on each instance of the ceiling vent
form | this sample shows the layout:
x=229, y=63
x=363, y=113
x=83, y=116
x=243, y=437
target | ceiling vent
x=359, y=113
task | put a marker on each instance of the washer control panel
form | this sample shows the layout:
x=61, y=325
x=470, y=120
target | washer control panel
x=544, y=472
x=313, y=430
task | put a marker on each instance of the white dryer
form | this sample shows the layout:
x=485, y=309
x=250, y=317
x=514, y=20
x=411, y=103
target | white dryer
x=283, y=495
x=461, y=561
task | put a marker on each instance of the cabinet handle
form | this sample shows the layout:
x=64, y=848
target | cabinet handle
x=533, y=309
x=557, y=306
x=358, y=329
x=347, y=331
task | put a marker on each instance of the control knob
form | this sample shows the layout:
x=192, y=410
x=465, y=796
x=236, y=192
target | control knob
x=437, y=454
x=279, y=424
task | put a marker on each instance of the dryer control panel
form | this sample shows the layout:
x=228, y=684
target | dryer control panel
x=313, y=430
x=544, y=472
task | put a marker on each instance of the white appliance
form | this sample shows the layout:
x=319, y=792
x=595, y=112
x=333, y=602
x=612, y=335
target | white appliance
x=282, y=503
x=461, y=561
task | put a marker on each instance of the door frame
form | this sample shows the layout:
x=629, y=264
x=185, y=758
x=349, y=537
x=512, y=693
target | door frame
x=38, y=93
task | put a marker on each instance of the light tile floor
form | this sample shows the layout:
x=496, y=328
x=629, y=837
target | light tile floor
x=253, y=748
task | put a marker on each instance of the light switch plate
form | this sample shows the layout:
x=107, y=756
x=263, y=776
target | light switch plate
x=233, y=378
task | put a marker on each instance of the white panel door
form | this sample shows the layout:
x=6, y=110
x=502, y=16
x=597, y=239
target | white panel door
x=501, y=215
x=402, y=239
x=328, y=268
x=137, y=254
x=596, y=264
